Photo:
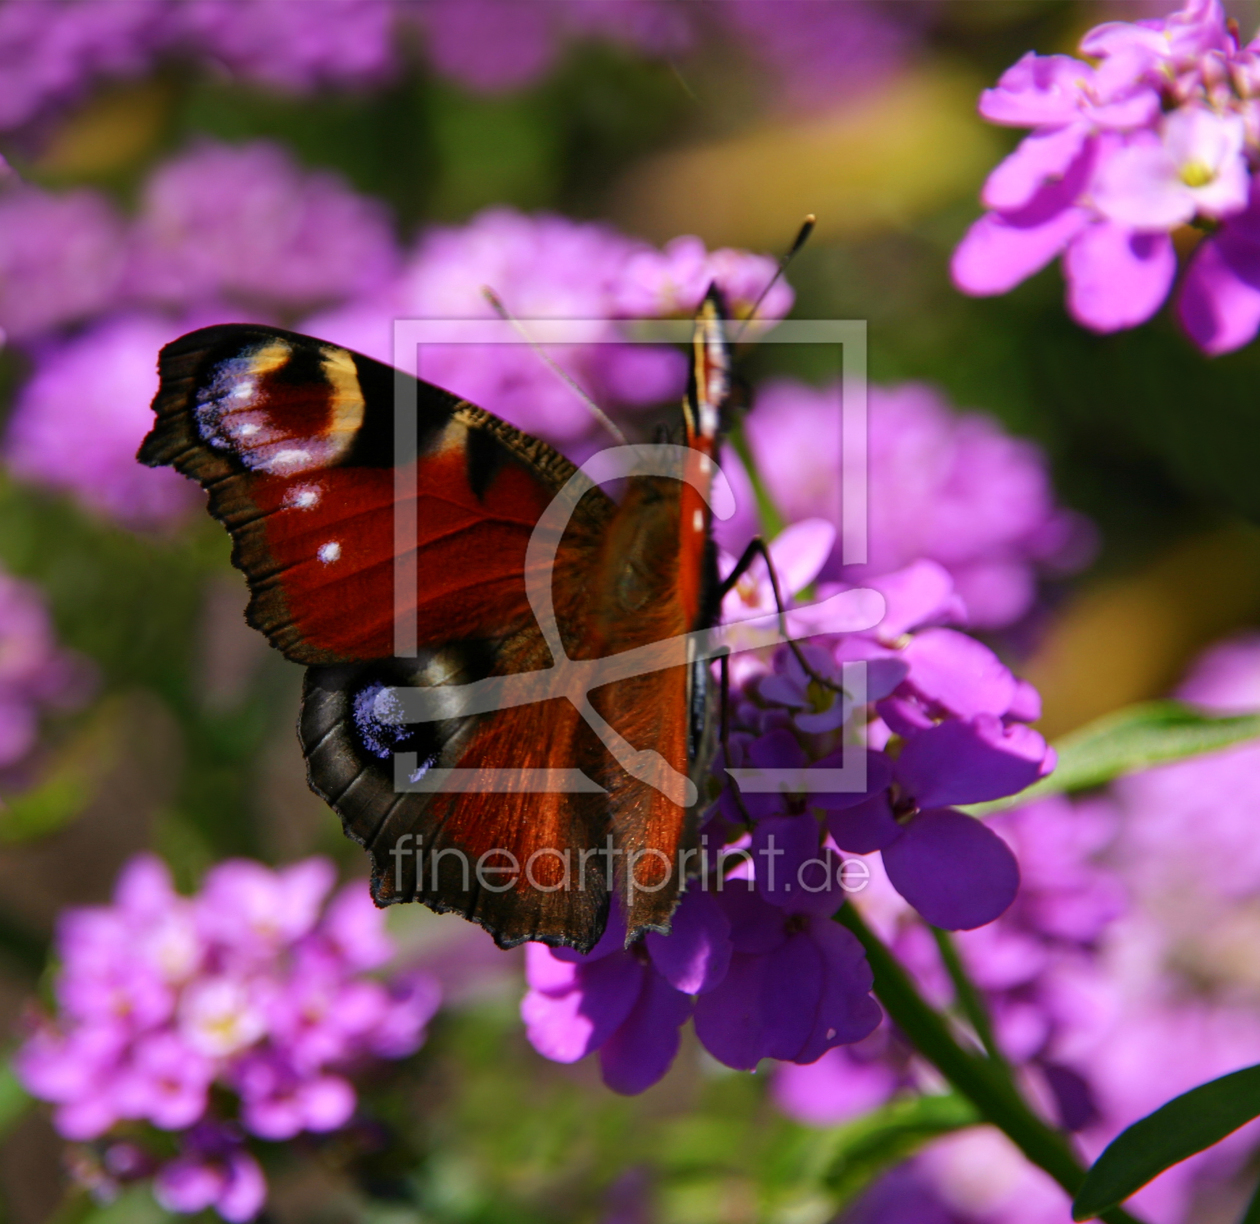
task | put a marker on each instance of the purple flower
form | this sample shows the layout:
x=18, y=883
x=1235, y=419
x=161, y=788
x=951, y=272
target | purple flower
x=819, y=52
x=798, y=985
x=1164, y=132
x=845, y=1082
x=943, y=486
x=165, y=1081
x=615, y=1001
x=216, y=1172
x=1112, y=959
x=546, y=267
x=255, y=986
x=78, y=422
x=61, y=256
x=247, y=223
x=36, y=674
x=52, y=52
x=671, y=282
x=253, y=912
x=1194, y=166
x=497, y=45
x=294, y=45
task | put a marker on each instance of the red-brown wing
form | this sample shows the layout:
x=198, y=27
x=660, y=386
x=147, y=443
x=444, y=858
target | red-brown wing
x=293, y=439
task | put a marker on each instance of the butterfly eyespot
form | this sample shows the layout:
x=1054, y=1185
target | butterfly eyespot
x=329, y=552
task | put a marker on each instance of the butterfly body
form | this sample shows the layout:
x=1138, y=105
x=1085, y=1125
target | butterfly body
x=295, y=442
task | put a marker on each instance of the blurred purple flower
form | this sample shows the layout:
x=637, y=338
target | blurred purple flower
x=492, y=46
x=949, y=487
x=245, y=986
x=1163, y=132
x=247, y=223
x=216, y=1172
x=52, y=52
x=61, y=256
x=544, y=267
x=36, y=674
x=671, y=282
x=821, y=50
x=78, y=422
x=293, y=45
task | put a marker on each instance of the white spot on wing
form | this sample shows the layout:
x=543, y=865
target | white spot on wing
x=302, y=498
x=697, y=521
x=329, y=552
x=288, y=458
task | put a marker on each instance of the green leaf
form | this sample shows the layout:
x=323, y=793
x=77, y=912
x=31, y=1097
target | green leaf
x=1187, y=1124
x=1127, y=741
x=864, y=1148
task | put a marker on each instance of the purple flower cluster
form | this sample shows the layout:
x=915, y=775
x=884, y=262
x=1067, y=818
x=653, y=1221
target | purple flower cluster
x=753, y=954
x=548, y=267
x=256, y=986
x=36, y=674
x=947, y=487
x=492, y=46
x=1114, y=959
x=222, y=234
x=1159, y=132
x=53, y=51
x=813, y=51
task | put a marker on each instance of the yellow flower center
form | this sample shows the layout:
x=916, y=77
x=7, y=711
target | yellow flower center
x=1196, y=174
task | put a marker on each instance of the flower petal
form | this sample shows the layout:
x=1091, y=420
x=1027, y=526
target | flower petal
x=1117, y=278
x=950, y=669
x=1219, y=302
x=641, y=1050
x=694, y=956
x=567, y=1027
x=970, y=762
x=956, y=872
x=1043, y=156
x=846, y=1012
x=869, y=826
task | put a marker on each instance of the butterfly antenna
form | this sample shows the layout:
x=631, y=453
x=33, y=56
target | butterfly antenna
x=595, y=410
x=802, y=237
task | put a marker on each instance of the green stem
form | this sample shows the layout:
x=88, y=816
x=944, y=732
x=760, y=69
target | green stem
x=1252, y=1214
x=985, y=1084
x=969, y=998
x=772, y=522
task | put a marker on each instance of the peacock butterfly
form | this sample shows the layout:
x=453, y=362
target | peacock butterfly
x=294, y=441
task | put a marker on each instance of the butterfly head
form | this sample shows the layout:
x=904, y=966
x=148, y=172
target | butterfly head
x=710, y=382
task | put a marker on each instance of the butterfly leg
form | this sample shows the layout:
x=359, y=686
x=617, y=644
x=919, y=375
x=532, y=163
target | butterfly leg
x=757, y=548
x=724, y=672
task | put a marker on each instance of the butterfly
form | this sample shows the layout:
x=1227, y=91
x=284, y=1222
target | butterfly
x=523, y=807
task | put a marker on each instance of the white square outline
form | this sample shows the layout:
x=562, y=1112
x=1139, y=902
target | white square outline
x=850, y=334
x=410, y=334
